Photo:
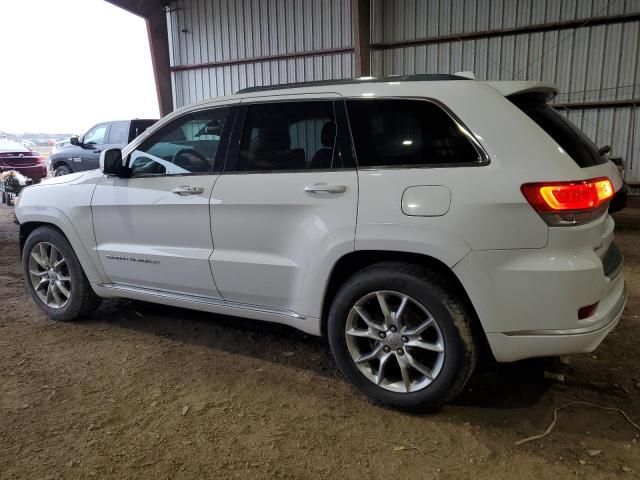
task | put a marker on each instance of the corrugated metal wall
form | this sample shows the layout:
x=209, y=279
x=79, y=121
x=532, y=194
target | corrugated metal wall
x=590, y=63
x=211, y=31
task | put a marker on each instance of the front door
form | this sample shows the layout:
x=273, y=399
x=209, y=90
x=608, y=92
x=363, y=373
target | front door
x=92, y=144
x=286, y=201
x=153, y=229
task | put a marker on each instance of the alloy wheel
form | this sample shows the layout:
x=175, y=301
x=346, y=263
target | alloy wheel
x=49, y=275
x=394, y=341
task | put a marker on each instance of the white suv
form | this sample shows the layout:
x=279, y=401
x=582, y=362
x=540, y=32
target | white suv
x=411, y=220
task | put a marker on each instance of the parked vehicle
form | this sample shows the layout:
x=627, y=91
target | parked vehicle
x=411, y=220
x=83, y=153
x=23, y=160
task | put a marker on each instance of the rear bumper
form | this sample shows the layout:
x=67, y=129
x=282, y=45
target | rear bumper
x=512, y=346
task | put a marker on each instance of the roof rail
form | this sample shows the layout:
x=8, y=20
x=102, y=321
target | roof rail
x=420, y=77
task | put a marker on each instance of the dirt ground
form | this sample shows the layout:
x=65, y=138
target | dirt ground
x=146, y=391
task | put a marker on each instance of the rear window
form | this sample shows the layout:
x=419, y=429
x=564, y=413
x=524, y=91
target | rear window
x=572, y=140
x=406, y=133
x=12, y=147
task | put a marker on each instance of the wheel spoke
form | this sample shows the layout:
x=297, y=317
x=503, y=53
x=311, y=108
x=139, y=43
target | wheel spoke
x=367, y=357
x=416, y=365
x=432, y=347
x=62, y=289
x=53, y=256
x=43, y=254
x=367, y=319
x=383, y=362
x=39, y=260
x=42, y=282
x=420, y=328
x=400, y=311
x=404, y=371
x=56, y=295
x=59, y=263
x=356, y=332
x=64, y=278
x=38, y=273
x=48, y=297
x=385, y=308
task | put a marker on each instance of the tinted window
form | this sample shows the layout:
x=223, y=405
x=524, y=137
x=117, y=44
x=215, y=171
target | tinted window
x=579, y=147
x=187, y=145
x=406, y=132
x=288, y=136
x=95, y=136
x=119, y=132
x=139, y=126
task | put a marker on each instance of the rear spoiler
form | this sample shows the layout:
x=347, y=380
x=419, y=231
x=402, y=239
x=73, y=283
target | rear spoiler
x=509, y=89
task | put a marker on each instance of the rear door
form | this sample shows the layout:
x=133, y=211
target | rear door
x=153, y=230
x=284, y=210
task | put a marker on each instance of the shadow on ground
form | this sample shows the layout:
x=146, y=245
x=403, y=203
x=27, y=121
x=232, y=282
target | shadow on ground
x=496, y=386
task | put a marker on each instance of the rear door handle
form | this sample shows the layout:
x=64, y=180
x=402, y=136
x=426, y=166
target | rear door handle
x=184, y=190
x=325, y=188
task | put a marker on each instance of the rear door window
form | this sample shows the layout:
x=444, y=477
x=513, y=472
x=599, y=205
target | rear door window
x=119, y=133
x=288, y=136
x=399, y=132
x=572, y=140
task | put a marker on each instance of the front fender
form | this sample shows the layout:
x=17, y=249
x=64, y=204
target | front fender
x=77, y=226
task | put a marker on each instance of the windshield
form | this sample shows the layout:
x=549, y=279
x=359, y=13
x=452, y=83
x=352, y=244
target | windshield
x=573, y=141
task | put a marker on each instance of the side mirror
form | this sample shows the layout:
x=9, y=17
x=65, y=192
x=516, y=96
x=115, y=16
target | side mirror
x=111, y=161
x=74, y=140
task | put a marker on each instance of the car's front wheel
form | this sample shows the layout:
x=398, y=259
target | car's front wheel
x=54, y=276
x=401, y=338
x=61, y=170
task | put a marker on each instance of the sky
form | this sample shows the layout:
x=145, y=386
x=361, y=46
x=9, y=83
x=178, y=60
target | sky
x=68, y=64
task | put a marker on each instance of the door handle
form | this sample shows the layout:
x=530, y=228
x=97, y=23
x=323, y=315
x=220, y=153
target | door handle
x=325, y=188
x=184, y=190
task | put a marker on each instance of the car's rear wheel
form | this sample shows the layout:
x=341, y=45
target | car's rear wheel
x=61, y=170
x=54, y=276
x=401, y=338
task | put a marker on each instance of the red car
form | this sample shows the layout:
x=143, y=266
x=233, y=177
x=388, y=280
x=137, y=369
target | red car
x=14, y=156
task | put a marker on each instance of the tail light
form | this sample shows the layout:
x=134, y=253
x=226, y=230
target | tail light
x=569, y=203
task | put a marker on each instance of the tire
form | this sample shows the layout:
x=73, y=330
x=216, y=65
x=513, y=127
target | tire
x=61, y=170
x=9, y=200
x=81, y=299
x=4, y=197
x=449, y=329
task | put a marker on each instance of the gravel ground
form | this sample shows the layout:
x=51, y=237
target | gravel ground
x=152, y=392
